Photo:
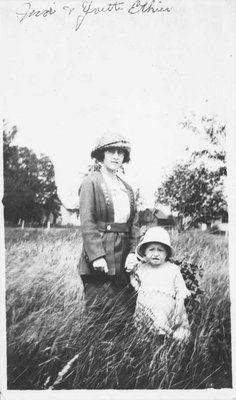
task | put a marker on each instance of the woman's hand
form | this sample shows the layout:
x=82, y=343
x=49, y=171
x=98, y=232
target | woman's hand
x=100, y=265
x=131, y=262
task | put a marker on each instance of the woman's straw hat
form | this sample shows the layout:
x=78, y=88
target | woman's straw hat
x=154, y=234
x=111, y=139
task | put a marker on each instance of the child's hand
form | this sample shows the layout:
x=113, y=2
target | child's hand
x=131, y=262
x=135, y=281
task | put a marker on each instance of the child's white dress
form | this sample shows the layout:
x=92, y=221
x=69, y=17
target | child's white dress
x=160, y=287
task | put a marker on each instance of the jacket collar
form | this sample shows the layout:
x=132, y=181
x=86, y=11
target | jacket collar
x=108, y=195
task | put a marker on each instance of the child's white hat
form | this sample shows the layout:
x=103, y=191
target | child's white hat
x=154, y=234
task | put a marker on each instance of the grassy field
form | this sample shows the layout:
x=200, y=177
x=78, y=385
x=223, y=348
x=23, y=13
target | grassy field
x=49, y=344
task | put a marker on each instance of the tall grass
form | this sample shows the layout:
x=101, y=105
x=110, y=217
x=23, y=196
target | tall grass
x=46, y=327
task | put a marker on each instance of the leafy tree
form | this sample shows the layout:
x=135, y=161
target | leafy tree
x=195, y=194
x=212, y=138
x=47, y=196
x=194, y=189
x=29, y=182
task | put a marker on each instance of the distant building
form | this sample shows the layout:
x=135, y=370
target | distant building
x=155, y=217
x=68, y=217
x=220, y=225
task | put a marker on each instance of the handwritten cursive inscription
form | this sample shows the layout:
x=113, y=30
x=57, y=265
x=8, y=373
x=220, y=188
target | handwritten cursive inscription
x=88, y=8
x=148, y=7
x=68, y=9
x=29, y=12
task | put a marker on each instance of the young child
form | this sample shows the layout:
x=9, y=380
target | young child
x=162, y=289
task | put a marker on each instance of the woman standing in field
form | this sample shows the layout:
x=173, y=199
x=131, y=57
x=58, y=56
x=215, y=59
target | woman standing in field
x=109, y=233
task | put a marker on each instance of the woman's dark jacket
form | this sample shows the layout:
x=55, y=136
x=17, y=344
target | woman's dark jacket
x=100, y=235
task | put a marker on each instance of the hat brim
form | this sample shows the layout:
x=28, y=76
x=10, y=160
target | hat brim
x=119, y=145
x=141, y=256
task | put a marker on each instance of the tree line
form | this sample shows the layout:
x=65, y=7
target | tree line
x=196, y=189
x=30, y=191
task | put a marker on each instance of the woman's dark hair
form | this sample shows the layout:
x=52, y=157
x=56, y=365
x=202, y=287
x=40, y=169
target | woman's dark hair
x=99, y=154
x=145, y=245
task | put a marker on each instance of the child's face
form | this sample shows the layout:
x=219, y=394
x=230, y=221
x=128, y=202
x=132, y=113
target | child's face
x=155, y=254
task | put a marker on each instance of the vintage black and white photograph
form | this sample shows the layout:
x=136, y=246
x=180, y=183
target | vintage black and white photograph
x=117, y=231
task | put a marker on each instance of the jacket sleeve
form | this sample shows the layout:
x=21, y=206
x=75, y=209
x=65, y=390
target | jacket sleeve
x=134, y=231
x=92, y=240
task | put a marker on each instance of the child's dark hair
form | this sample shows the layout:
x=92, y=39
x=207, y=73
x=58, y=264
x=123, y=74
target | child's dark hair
x=99, y=154
x=167, y=249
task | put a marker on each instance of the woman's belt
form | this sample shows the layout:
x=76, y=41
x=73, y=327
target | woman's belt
x=113, y=227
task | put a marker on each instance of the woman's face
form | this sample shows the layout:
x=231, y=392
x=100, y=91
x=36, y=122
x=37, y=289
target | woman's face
x=113, y=158
x=155, y=254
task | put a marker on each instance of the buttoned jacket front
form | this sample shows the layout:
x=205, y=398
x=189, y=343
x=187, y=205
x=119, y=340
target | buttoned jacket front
x=96, y=206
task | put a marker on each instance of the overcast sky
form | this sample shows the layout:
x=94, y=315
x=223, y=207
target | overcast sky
x=139, y=73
